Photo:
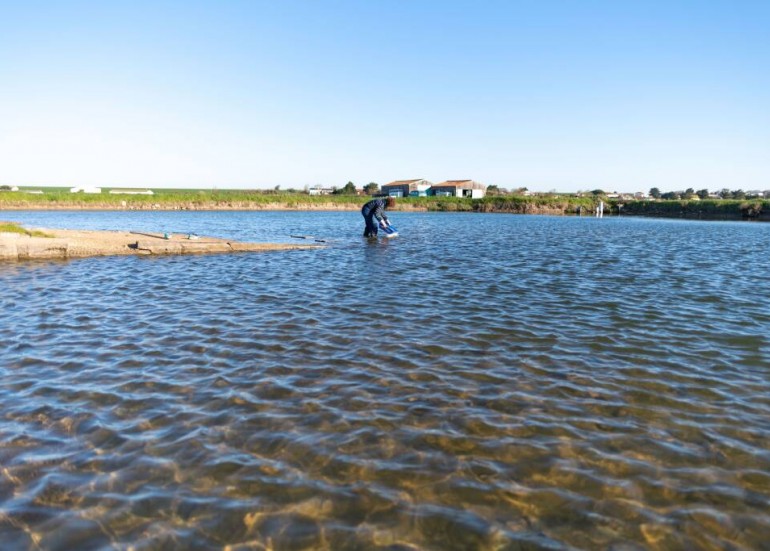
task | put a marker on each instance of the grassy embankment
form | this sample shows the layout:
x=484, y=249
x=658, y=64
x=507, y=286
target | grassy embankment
x=179, y=199
x=516, y=204
x=10, y=227
x=723, y=209
x=262, y=200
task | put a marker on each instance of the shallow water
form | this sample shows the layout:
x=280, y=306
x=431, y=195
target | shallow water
x=480, y=382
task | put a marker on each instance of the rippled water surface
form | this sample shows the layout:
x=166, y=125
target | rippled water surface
x=480, y=382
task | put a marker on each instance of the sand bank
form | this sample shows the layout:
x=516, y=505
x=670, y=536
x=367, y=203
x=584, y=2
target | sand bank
x=80, y=244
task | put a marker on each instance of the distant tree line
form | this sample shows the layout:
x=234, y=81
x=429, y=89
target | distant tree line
x=724, y=193
x=372, y=188
x=350, y=189
x=496, y=191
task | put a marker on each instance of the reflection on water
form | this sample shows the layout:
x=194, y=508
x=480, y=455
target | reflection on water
x=481, y=382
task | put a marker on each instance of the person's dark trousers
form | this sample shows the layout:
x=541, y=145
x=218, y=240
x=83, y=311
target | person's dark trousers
x=371, y=224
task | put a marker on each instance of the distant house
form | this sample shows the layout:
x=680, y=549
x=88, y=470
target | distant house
x=318, y=190
x=132, y=192
x=459, y=188
x=86, y=189
x=407, y=188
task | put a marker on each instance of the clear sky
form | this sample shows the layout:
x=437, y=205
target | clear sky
x=560, y=95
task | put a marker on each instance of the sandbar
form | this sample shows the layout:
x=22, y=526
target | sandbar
x=62, y=243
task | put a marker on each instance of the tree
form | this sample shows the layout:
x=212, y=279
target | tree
x=688, y=193
x=739, y=194
x=703, y=193
x=725, y=193
x=669, y=196
x=598, y=192
x=371, y=188
x=494, y=190
x=348, y=189
x=655, y=193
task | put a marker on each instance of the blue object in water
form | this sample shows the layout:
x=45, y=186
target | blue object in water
x=390, y=231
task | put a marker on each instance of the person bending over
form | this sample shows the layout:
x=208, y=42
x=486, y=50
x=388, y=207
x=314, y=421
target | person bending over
x=374, y=215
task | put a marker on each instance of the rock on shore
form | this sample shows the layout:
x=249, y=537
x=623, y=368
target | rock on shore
x=80, y=244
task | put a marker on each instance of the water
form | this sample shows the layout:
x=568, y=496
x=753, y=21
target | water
x=480, y=382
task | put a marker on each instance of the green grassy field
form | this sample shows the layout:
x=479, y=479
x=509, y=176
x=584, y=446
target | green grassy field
x=164, y=197
x=58, y=198
x=221, y=199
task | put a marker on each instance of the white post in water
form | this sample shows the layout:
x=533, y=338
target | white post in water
x=600, y=210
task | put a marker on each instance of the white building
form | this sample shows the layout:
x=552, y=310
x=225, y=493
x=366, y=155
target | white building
x=407, y=188
x=131, y=192
x=460, y=188
x=86, y=189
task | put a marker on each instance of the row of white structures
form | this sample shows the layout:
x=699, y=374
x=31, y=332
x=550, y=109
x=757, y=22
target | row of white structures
x=112, y=191
x=420, y=187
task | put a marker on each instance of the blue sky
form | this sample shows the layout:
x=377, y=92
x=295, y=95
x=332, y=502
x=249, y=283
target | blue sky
x=551, y=95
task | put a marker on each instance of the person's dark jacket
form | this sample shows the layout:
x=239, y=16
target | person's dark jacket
x=375, y=208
